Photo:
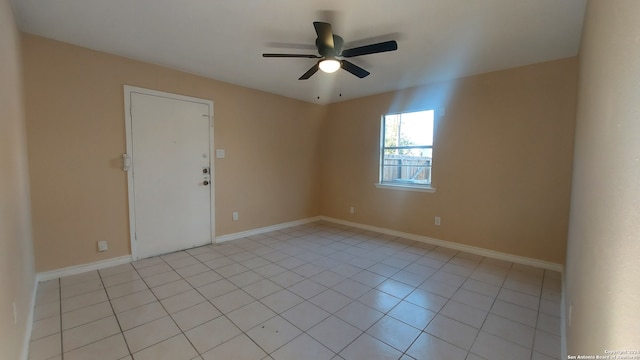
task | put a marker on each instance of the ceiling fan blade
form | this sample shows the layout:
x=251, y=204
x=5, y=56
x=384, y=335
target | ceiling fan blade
x=310, y=72
x=325, y=37
x=371, y=49
x=337, y=44
x=354, y=69
x=291, y=56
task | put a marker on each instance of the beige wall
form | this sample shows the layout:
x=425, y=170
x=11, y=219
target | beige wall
x=76, y=130
x=502, y=161
x=17, y=276
x=602, y=272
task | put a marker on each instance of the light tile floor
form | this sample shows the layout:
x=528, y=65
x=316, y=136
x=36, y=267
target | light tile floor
x=317, y=291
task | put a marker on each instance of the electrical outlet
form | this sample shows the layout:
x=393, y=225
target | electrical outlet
x=235, y=216
x=103, y=246
x=437, y=220
x=352, y=210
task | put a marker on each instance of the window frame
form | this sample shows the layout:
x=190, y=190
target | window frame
x=410, y=186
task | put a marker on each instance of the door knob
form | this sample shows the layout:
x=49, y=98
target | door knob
x=205, y=182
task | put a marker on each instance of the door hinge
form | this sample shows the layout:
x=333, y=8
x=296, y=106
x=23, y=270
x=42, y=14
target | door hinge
x=126, y=162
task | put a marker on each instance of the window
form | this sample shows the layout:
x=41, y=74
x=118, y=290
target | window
x=406, y=149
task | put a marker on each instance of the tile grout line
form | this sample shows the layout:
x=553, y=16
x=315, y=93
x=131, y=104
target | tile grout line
x=495, y=298
x=535, y=329
x=302, y=249
x=83, y=307
x=285, y=319
x=352, y=300
x=238, y=288
x=451, y=299
x=400, y=299
x=438, y=313
x=258, y=300
x=193, y=288
x=115, y=315
x=307, y=300
x=165, y=309
x=209, y=301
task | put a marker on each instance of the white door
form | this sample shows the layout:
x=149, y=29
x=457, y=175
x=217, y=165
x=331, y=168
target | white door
x=170, y=177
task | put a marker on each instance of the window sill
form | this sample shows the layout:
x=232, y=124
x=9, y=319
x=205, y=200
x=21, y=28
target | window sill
x=419, y=188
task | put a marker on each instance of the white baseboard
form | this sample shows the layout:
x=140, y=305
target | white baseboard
x=425, y=239
x=78, y=269
x=243, y=234
x=452, y=245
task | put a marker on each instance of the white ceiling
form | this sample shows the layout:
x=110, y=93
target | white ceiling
x=224, y=39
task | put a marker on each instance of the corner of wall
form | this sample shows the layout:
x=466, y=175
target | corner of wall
x=17, y=273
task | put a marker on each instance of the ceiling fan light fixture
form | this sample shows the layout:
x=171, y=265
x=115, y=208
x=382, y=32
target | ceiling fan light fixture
x=329, y=65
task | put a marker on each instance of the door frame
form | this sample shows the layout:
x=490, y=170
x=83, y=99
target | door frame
x=128, y=91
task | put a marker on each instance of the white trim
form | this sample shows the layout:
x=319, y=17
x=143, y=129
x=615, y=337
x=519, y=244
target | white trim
x=420, y=188
x=243, y=234
x=451, y=245
x=425, y=239
x=79, y=269
x=128, y=90
x=26, y=339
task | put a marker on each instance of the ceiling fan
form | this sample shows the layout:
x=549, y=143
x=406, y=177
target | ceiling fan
x=331, y=54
